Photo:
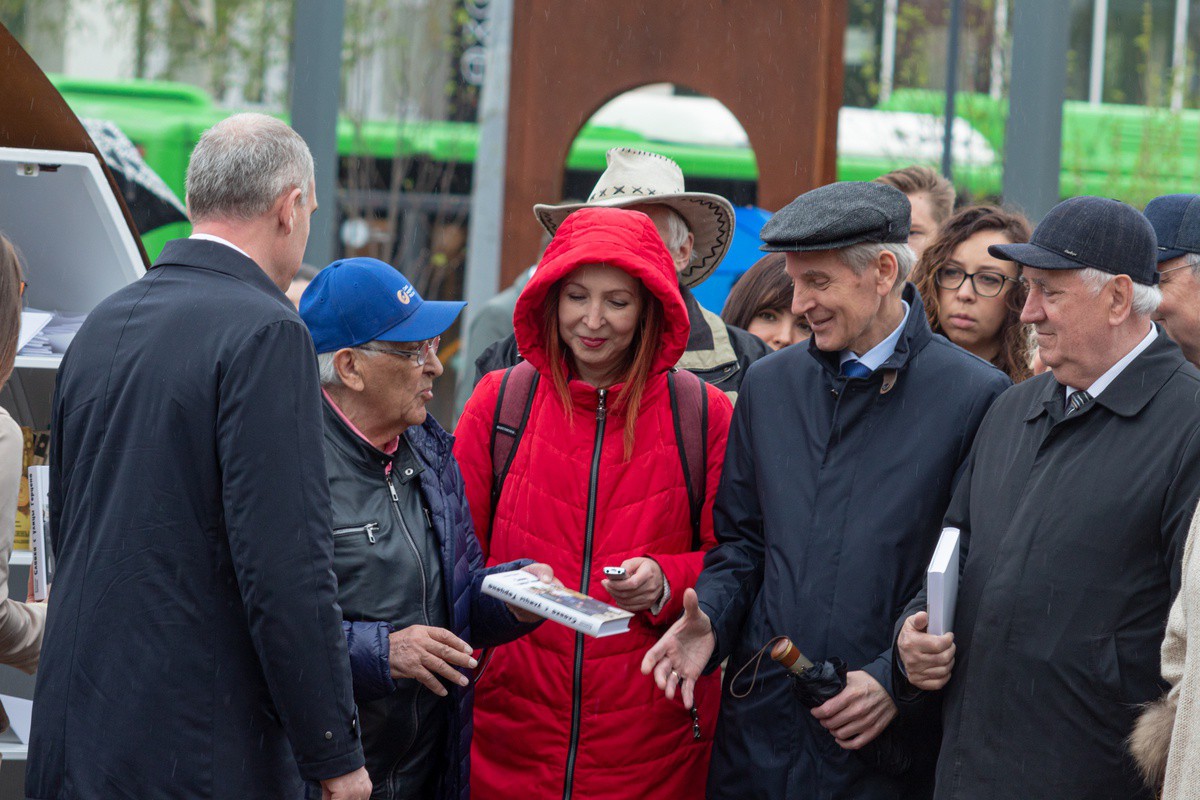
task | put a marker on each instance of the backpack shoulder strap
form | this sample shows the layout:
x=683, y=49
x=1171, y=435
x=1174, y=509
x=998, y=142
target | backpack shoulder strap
x=689, y=409
x=517, y=388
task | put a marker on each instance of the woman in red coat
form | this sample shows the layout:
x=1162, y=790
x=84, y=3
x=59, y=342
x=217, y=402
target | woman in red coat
x=596, y=481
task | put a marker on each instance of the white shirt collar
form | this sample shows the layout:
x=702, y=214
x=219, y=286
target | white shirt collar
x=874, y=358
x=208, y=237
x=1102, y=383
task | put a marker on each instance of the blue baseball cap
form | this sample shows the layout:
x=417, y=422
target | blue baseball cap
x=1095, y=232
x=1176, y=221
x=358, y=300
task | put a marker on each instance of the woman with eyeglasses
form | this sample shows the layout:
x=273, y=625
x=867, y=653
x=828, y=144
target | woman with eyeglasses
x=21, y=624
x=973, y=299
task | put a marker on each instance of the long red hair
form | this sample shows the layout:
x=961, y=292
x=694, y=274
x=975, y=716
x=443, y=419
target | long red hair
x=638, y=360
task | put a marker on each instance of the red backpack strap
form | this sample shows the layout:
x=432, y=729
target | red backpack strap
x=512, y=412
x=689, y=408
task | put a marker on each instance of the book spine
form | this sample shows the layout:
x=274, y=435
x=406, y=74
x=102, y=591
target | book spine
x=544, y=609
x=937, y=603
x=38, y=538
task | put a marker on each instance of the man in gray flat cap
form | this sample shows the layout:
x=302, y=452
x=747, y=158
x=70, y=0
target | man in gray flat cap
x=841, y=460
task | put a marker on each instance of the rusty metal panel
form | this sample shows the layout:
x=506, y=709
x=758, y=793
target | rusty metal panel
x=776, y=64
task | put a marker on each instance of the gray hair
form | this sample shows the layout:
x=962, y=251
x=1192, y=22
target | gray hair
x=677, y=230
x=242, y=165
x=1145, y=298
x=862, y=255
x=1193, y=261
x=326, y=369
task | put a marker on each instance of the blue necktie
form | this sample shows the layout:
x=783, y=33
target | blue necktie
x=855, y=369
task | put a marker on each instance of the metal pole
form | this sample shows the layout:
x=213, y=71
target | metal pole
x=316, y=85
x=951, y=88
x=487, y=190
x=999, y=42
x=1099, y=39
x=887, y=50
x=1179, y=55
x=1033, y=134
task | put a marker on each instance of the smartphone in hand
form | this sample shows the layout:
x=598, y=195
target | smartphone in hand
x=615, y=573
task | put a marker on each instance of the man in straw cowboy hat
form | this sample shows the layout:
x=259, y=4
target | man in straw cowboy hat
x=697, y=229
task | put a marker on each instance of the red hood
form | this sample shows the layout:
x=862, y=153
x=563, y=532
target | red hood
x=620, y=238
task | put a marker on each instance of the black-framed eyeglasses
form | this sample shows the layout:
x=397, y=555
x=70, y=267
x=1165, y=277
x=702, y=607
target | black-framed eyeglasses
x=985, y=284
x=421, y=354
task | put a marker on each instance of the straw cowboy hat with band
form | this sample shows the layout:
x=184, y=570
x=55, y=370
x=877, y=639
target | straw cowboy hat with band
x=635, y=177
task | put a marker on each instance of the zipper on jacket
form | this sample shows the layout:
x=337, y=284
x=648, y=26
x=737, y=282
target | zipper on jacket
x=370, y=529
x=416, y=554
x=577, y=688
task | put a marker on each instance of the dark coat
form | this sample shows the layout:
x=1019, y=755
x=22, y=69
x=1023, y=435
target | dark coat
x=194, y=646
x=717, y=353
x=359, y=492
x=1075, y=527
x=830, y=506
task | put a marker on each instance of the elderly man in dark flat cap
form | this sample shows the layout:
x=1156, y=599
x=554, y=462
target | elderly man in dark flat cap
x=1176, y=221
x=841, y=460
x=1074, y=510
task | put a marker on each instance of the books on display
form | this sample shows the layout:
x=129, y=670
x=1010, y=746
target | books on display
x=564, y=606
x=39, y=534
x=942, y=582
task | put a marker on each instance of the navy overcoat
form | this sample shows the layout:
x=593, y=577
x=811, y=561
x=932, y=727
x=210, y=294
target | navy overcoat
x=830, y=505
x=194, y=647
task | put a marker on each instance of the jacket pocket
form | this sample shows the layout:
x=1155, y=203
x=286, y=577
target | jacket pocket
x=354, y=535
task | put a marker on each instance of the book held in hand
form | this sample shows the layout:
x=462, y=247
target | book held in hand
x=564, y=606
x=942, y=582
x=39, y=535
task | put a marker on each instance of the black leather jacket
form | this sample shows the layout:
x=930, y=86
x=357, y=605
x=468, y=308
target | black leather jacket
x=405, y=553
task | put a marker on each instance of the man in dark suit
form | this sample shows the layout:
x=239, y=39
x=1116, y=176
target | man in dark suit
x=195, y=648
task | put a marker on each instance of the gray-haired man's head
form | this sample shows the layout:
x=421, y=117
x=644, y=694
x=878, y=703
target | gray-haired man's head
x=242, y=165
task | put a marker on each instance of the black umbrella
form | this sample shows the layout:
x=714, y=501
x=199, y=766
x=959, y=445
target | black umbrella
x=151, y=202
x=824, y=680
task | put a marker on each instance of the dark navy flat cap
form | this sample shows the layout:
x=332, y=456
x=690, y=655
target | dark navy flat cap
x=1176, y=221
x=1095, y=232
x=839, y=215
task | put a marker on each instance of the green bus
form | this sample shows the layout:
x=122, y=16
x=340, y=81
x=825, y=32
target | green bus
x=388, y=170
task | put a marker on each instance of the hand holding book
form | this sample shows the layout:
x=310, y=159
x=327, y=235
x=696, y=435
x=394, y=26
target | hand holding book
x=545, y=574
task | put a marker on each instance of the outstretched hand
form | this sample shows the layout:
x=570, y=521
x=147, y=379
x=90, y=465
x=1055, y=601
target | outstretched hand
x=678, y=658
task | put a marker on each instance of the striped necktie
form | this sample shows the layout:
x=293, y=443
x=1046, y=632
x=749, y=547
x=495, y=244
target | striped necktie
x=1077, y=401
x=855, y=369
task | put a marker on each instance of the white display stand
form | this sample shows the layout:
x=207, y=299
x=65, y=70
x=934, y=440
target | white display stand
x=60, y=211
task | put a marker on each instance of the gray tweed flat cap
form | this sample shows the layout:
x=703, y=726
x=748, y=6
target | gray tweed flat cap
x=839, y=215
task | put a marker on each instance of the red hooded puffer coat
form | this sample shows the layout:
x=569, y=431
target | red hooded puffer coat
x=556, y=714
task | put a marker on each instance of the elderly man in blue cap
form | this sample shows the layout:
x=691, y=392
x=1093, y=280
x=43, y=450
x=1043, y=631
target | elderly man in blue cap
x=408, y=565
x=841, y=461
x=1176, y=221
x=1073, y=511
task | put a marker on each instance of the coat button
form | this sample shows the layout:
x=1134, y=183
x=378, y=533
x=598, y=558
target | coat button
x=328, y=734
x=408, y=472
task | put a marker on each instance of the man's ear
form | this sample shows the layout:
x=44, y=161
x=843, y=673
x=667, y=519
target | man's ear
x=287, y=210
x=1120, y=299
x=889, y=270
x=348, y=364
